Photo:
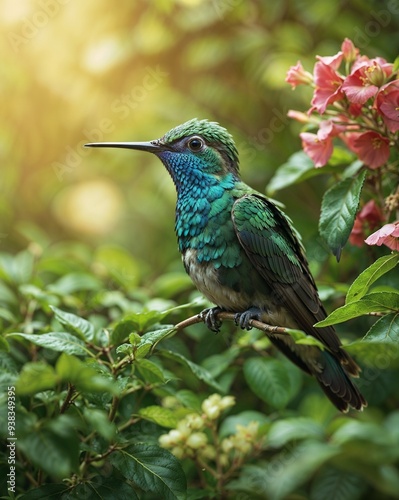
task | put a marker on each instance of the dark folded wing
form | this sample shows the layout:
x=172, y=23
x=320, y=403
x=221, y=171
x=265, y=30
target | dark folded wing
x=273, y=247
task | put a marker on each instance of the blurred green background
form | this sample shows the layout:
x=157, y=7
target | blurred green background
x=74, y=72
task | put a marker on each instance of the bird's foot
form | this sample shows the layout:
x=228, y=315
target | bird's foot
x=242, y=319
x=209, y=317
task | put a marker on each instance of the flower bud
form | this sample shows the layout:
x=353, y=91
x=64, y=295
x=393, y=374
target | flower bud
x=208, y=452
x=197, y=440
x=175, y=436
x=212, y=411
x=165, y=441
x=227, y=445
x=223, y=460
x=178, y=452
x=227, y=401
x=349, y=50
x=296, y=75
x=194, y=421
x=211, y=406
x=169, y=402
x=243, y=446
x=184, y=429
x=375, y=75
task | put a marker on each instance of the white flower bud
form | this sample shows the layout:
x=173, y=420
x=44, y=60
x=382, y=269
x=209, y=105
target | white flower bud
x=197, y=440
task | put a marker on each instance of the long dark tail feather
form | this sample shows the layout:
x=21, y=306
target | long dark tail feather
x=333, y=374
x=337, y=385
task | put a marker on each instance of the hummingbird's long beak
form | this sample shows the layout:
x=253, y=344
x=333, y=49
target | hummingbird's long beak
x=151, y=147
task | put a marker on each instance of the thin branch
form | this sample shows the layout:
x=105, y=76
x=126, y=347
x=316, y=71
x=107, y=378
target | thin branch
x=68, y=399
x=198, y=318
x=231, y=317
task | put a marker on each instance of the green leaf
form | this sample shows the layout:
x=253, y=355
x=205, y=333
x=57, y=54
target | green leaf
x=150, y=372
x=385, y=330
x=284, y=472
x=152, y=469
x=338, y=211
x=48, y=491
x=43, y=298
x=99, y=487
x=7, y=296
x=56, y=341
x=301, y=337
x=168, y=285
x=104, y=488
x=298, y=168
x=189, y=399
x=368, y=432
x=161, y=416
x=363, y=282
x=75, y=282
x=74, y=324
x=4, y=345
x=83, y=375
x=157, y=335
x=353, y=168
x=376, y=355
x=268, y=379
x=54, y=447
x=197, y=370
x=138, y=321
x=17, y=269
x=337, y=484
x=119, y=264
x=385, y=302
x=36, y=377
x=142, y=349
x=98, y=421
x=122, y=330
x=125, y=349
x=218, y=363
x=292, y=429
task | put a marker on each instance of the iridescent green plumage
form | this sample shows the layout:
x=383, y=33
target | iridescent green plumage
x=243, y=254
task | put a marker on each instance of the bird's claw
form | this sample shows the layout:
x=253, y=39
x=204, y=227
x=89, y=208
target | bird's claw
x=209, y=317
x=243, y=319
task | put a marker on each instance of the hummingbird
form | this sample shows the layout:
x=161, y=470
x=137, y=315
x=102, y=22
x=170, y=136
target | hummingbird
x=244, y=255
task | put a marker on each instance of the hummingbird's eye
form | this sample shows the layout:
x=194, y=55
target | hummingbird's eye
x=196, y=144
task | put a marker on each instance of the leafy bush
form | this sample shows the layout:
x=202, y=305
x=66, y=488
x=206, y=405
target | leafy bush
x=112, y=401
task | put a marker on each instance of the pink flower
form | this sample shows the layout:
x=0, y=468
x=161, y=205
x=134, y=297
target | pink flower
x=328, y=87
x=369, y=217
x=319, y=150
x=365, y=80
x=371, y=148
x=356, y=237
x=387, y=103
x=358, y=88
x=319, y=147
x=296, y=75
x=349, y=51
x=388, y=235
x=299, y=116
x=333, y=62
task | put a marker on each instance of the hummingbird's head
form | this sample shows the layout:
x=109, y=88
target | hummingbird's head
x=190, y=150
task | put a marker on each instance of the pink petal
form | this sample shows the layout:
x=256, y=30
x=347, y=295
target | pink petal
x=372, y=148
x=318, y=150
x=333, y=62
x=385, y=236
